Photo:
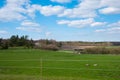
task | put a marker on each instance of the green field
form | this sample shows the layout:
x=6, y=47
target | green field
x=26, y=64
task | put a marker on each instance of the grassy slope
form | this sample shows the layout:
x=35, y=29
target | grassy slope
x=20, y=64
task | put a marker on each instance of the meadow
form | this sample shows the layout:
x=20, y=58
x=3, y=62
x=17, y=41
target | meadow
x=35, y=64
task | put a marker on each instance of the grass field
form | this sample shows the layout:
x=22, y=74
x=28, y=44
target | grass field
x=26, y=64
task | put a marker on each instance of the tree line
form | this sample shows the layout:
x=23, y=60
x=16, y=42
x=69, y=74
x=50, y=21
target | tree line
x=23, y=41
x=48, y=44
x=16, y=41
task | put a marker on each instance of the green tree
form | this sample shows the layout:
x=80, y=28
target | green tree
x=3, y=44
x=22, y=41
x=14, y=40
x=29, y=43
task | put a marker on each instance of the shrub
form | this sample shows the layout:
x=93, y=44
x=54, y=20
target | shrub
x=97, y=50
x=4, y=45
x=114, y=51
x=102, y=50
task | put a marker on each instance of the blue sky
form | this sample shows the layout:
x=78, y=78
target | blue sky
x=62, y=20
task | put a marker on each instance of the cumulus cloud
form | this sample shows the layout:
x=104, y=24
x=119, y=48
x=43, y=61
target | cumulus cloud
x=51, y=10
x=82, y=9
x=88, y=8
x=13, y=10
x=45, y=10
x=90, y=22
x=29, y=26
x=22, y=9
x=78, y=12
x=61, y=1
x=110, y=7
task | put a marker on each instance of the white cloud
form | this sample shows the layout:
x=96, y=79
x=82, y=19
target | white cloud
x=61, y=1
x=63, y=22
x=88, y=8
x=90, y=4
x=22, y=9
x=110, y=10
x=78, y=13
x=77, y=23
x=45, y=10
x=83, y=10
x=110, y=7
x=51, y=10
x=98, y=24
x=32, y=9
x=3, y=32
x=29, y=23
x=111, y=28
x=29, y=26
x=112, y=3
x=13, y=10
x=30, y=29
x=81, y=23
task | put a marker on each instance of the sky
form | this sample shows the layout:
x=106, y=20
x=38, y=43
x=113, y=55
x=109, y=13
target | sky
x=61, y=20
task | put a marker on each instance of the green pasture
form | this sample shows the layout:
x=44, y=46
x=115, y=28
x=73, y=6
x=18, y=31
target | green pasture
x=34, y=64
